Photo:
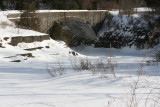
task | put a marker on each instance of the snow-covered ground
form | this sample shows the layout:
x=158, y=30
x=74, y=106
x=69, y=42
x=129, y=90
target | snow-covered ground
x=28, y=84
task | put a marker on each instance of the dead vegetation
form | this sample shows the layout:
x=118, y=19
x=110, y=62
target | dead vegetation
x=102, y=66
x=56, y=70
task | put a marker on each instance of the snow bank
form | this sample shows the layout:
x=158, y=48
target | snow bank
x=5, y=20
x=143, y=9
x=138, y=10
x=8, y=28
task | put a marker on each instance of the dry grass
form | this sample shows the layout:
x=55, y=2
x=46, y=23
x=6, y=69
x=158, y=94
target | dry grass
x=134, y=101
x=56, y=70
x=102, y=66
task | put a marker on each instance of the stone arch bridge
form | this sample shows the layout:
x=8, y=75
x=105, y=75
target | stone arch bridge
x=94, y=17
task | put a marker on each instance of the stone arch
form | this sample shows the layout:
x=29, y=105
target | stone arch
x=66, y=18
x=72, y=30
x=62, y=19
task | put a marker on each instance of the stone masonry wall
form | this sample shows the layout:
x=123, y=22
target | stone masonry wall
x=28, y=39
x=91, y=17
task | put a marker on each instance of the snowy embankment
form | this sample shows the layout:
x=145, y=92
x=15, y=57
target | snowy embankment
x=138, y=29
x=8, y=28
x=28, y=84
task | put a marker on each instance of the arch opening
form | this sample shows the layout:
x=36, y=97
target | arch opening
x=72, y=32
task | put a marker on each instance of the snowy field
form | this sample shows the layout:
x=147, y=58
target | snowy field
x=29, y=84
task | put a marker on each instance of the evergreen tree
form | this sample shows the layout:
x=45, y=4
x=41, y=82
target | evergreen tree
x=155, y=4
x=19, y=5
x=1, y=5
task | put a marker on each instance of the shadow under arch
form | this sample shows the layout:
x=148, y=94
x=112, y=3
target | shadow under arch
x=72, y=30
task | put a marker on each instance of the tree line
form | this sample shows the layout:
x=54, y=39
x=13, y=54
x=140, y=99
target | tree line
x=40, y=4
x=77, y=4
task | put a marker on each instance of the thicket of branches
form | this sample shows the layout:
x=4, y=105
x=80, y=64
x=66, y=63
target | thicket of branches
x=155, y=4
x=77, y=4
x=40, y=4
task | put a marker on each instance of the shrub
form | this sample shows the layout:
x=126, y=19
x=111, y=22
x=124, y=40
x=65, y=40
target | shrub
x=57, y=70
x=85, y=64
x=157, y=56
x=80, y=64
x=109, y=18
x=99, y=66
